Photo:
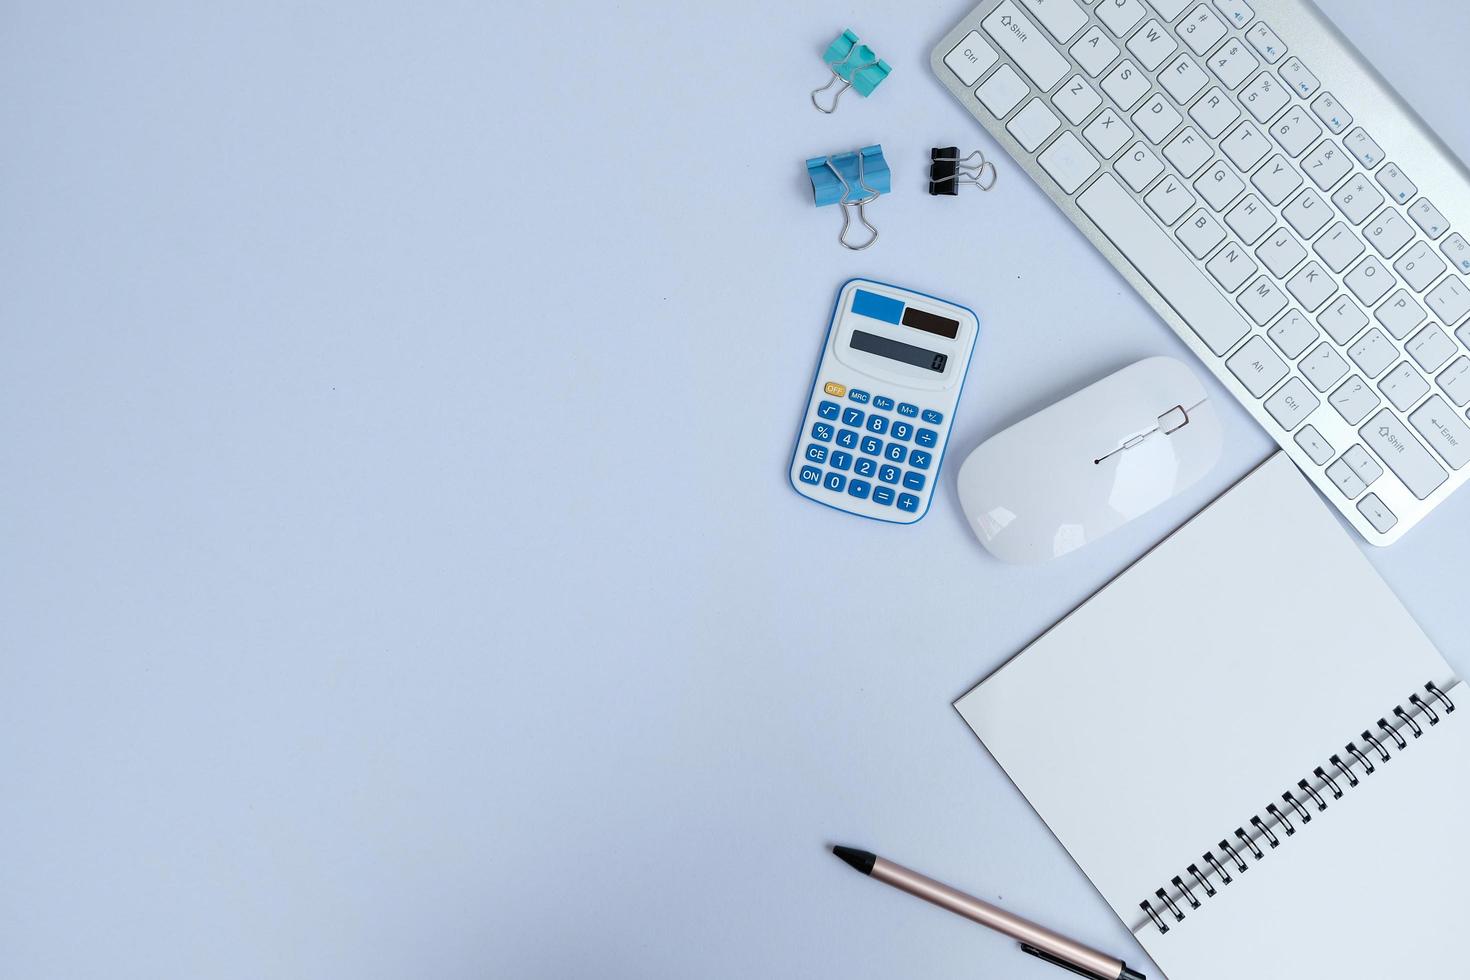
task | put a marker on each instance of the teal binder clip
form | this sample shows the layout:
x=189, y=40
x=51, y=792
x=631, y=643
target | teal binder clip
x=851, y=181
x=852, y=64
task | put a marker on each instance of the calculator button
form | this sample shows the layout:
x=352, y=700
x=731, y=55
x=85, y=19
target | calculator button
x=816, y=453
x=840, y=460
x=914, y=481
x=810, y=474
x=902, y=430
x=859, y=489
x=926, y=438
x=847, y=438
x=882, y=495
x=883, y=402
x=872, y=445
x=904, y=408
x=835, y=481
x=864, y=467
x=897, y=452
x=888, y=474
x=908, y=502
x=858, y=395
x=834, y=389
x=878, y=424
x=828, y=410
x=933, y=417
x=918, y=459
x=821, y=431
x=853, y=416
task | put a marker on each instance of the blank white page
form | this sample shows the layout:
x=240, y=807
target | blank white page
x=1201, y=684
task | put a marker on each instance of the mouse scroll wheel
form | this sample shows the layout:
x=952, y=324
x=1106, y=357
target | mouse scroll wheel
x=1173, y=420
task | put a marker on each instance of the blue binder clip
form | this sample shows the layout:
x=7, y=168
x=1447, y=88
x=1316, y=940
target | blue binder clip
x=854, y=65
x=851, y=181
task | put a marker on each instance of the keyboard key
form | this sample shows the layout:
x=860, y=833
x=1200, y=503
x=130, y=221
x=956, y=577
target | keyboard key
x=1298, y=78
x=1062, y=18
x=1126, y=84
x=858, y=395
x=908, y=502
x=1236, y=12
x=883, y=403
x=1120, y=219
x=1068, y=162
x=1323, y=367
x=1399, y=314
x=1200, y=234
x=878, y=424
x=1373, y=352
x=1218, y=185
x=840, y=460
x=1188, y=151
x=1026, y=45
x=1233, y=63
x=1449, y=300
x=1362, y=464
x=1257, y=366
x=1326, y=108
x=859, y=489
x=1291, y=404
x=1152, y=44
x=1200, y=29
x=1295, y=131
x=1307, y=214
x=1276, y=179
x=1393, y=180
x=827, y=410
x=1311, y=286
x=871, y=446
x=822, y=432
x=971, y=58
x=920, y=459
x=835, y=482
x=1338, y=247
x=1094, y=52
x=927, y=438
x=888, y=474
x=1388, y=233
x=1281, y=253
x=1264, y=96
x=1002, y=91
x=1266, y=43
x=1404, y=454
x=1214, y=112
x=852, y=416
x=810, y=474
x=1293, y=333
x=1363, y=148
x=1231, y=266
x=1353, y=400
x=1428, y=218
x=864, y=467
x=1033, y=125
x=1419, y=266
x=1169, y=9
x=1370, y=281
x=1403, y=386
x=913, y=481
x=896, y=451
x=816, y=453
x=1169, y=200
x=1382, y=519
x=902, y=431
x=1343, y=477
x=883, y=496
x=1156, y=118
x=847, y=438
x=1357, y=199
x=1076, y=99
x=1120, y=16
x=1262, y=301
x=1342, y=320
x=1249, y=219
x=1138, y=166
x=1107, y=133
x=1319, y=450
x=1431, y=347
x=1183, y=79
x=1327, y=164
x=1246, y=146
x=1457, y=250
x=907, y=410
x=933, y=417
x=1454, y=381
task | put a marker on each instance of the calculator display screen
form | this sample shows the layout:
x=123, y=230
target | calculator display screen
x=896, y=351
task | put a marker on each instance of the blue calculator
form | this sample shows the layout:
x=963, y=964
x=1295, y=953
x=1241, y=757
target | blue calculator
x=882, y=401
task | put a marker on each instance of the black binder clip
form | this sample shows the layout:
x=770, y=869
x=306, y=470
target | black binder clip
x=948, y=170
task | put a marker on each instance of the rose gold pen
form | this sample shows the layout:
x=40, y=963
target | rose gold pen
x=1037, y=940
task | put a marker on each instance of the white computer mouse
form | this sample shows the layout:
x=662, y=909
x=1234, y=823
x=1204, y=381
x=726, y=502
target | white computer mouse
x=1091, y=463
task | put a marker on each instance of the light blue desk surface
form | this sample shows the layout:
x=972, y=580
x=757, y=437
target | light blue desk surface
x=398, y=572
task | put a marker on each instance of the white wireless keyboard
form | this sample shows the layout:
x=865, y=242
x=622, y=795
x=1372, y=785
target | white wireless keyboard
x=1273, y=199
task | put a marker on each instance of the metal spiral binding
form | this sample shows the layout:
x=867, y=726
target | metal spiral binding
x=1429, y=707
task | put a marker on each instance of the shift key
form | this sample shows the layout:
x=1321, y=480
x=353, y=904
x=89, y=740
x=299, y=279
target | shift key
x=1441, y=428
x=1027, y=46
x=1404, y=454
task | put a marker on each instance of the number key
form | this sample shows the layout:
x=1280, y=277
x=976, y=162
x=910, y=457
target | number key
x=901, y=431
x=840, y=460
x=872, y=445
x=835, y=482
x=852, y=416
x=864, y=467
x=888, y=474
x=847, y=438
x=897, y=452
x=878, y=424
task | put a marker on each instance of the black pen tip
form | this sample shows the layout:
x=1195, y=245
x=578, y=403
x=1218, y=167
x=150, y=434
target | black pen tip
x=862, y=860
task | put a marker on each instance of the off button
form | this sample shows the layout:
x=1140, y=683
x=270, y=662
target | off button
x=834, y=389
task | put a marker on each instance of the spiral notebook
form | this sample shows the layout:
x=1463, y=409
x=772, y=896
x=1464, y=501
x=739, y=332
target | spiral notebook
x=1252, y=750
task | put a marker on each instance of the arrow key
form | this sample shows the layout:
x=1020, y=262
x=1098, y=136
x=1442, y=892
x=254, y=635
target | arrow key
x=1442, y=428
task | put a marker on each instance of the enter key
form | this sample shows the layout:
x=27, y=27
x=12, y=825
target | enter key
x=1441, y=427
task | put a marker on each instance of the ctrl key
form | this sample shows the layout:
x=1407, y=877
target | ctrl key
x=1292, y=403
x=1378, y=515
